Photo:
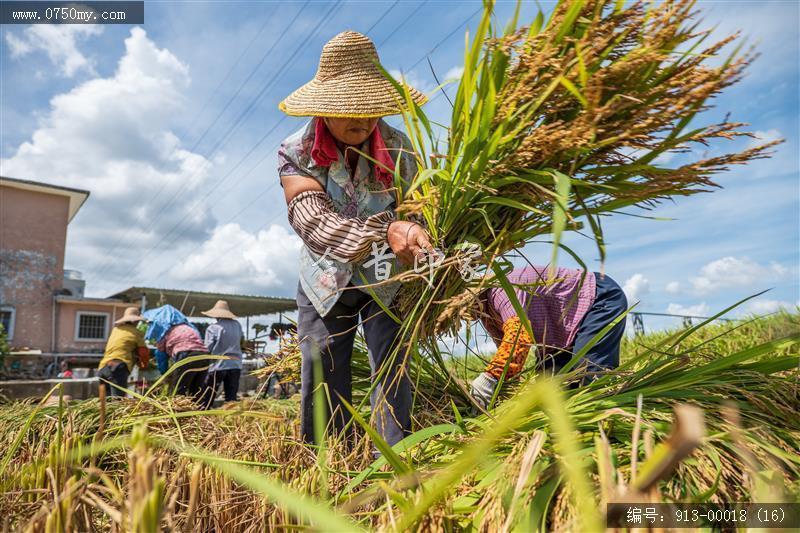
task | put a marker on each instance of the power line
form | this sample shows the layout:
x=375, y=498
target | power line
x=267, y=20
x=169, y=202
x=266, y=87
x=381, y=17
x=234, y=245
x=265, y=136
x=267, y=54
x=190, y=211
x=446, y=37
x=251, y=106
x=281, y=70
x=104, y=268
x=397, y=28
x=242, y=210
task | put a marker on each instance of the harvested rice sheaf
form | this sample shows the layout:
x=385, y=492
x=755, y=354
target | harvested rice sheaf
x=559, y=123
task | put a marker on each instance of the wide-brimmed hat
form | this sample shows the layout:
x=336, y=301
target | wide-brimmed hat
x=348, y=83
x=220, y=310
x=131, y=314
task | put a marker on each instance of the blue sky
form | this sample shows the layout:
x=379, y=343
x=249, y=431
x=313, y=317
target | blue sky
x=161, y=122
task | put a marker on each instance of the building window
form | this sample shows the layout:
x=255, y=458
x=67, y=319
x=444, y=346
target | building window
x=7, y=320
x=91, y=326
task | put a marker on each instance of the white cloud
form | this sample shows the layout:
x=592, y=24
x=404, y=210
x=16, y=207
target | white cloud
x=700, y=309
x=765, y=307
x=673, y=287
x=635, y=287
x=113, y=136
x=454, y=73
x=59, y=42
x=736, y=272
x=763, y=137
x=232, y=255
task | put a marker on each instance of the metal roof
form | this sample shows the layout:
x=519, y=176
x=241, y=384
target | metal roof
x=77, y=197
x=193, y=302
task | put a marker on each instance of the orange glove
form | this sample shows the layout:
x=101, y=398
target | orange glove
x=516, y=345
x=143, y=353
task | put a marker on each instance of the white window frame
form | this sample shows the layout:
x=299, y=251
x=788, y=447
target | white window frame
x=13, y=311
x=78, y=316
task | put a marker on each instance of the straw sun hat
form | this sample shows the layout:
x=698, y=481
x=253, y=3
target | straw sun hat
x=131, y=314
x=348, y=83
x=220, y=310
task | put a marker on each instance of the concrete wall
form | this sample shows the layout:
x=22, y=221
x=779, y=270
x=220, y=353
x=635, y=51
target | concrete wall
x=77, y=389
x=66, y=319
x=33, y=232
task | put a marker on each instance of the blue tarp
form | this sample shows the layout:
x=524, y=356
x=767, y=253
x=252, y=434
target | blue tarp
x=161, y=319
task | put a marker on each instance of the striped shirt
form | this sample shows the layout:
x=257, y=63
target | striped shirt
x=555, y=305
x=324, y=231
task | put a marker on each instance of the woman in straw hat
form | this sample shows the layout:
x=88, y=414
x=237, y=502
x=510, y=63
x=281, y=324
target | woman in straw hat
x=125, y=345
x=341, y=204
x=178, y=339
x=224, y=337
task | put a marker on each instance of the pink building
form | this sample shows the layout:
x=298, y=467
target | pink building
x=42, y=306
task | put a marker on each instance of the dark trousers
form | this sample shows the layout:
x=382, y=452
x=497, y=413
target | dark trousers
x=330, y=338
x=609, y=303
x=229, y=379
x=190, y=378
x=116, y=374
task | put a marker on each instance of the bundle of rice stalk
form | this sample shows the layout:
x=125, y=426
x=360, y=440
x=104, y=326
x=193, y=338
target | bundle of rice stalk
x=557, y=124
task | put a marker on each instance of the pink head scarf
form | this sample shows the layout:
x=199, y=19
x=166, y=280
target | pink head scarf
x=324, y=152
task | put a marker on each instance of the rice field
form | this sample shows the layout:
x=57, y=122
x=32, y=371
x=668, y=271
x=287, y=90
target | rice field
x=557, y=122
x=547, y=458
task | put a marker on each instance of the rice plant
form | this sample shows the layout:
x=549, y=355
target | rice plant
x=533, y=464
x=556, y=124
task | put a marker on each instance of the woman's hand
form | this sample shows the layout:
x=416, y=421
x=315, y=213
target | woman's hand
x=408, y=240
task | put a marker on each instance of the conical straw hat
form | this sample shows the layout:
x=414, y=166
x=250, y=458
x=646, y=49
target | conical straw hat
x=131, y=314
x=348, y=83
x=220, y=310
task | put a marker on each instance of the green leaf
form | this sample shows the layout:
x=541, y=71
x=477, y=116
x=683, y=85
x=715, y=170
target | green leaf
x=560, y=208
x=509, y=202
x=568, y=85
x=397, y=463
x=573, y=11
x=512, y=296
x=404, y=445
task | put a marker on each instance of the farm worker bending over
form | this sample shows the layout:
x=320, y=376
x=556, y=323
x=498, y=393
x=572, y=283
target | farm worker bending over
x=175, y=336
x=566, y=309
x=341, y=204
x=125, y=345
x=224, y=337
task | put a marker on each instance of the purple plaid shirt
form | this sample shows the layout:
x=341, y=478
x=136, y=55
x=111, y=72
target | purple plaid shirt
x=555, y=308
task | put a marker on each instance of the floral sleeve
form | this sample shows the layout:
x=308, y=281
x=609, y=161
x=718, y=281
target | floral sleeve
x=516, y=345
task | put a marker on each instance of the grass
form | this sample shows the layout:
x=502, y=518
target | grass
x=539, y=457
